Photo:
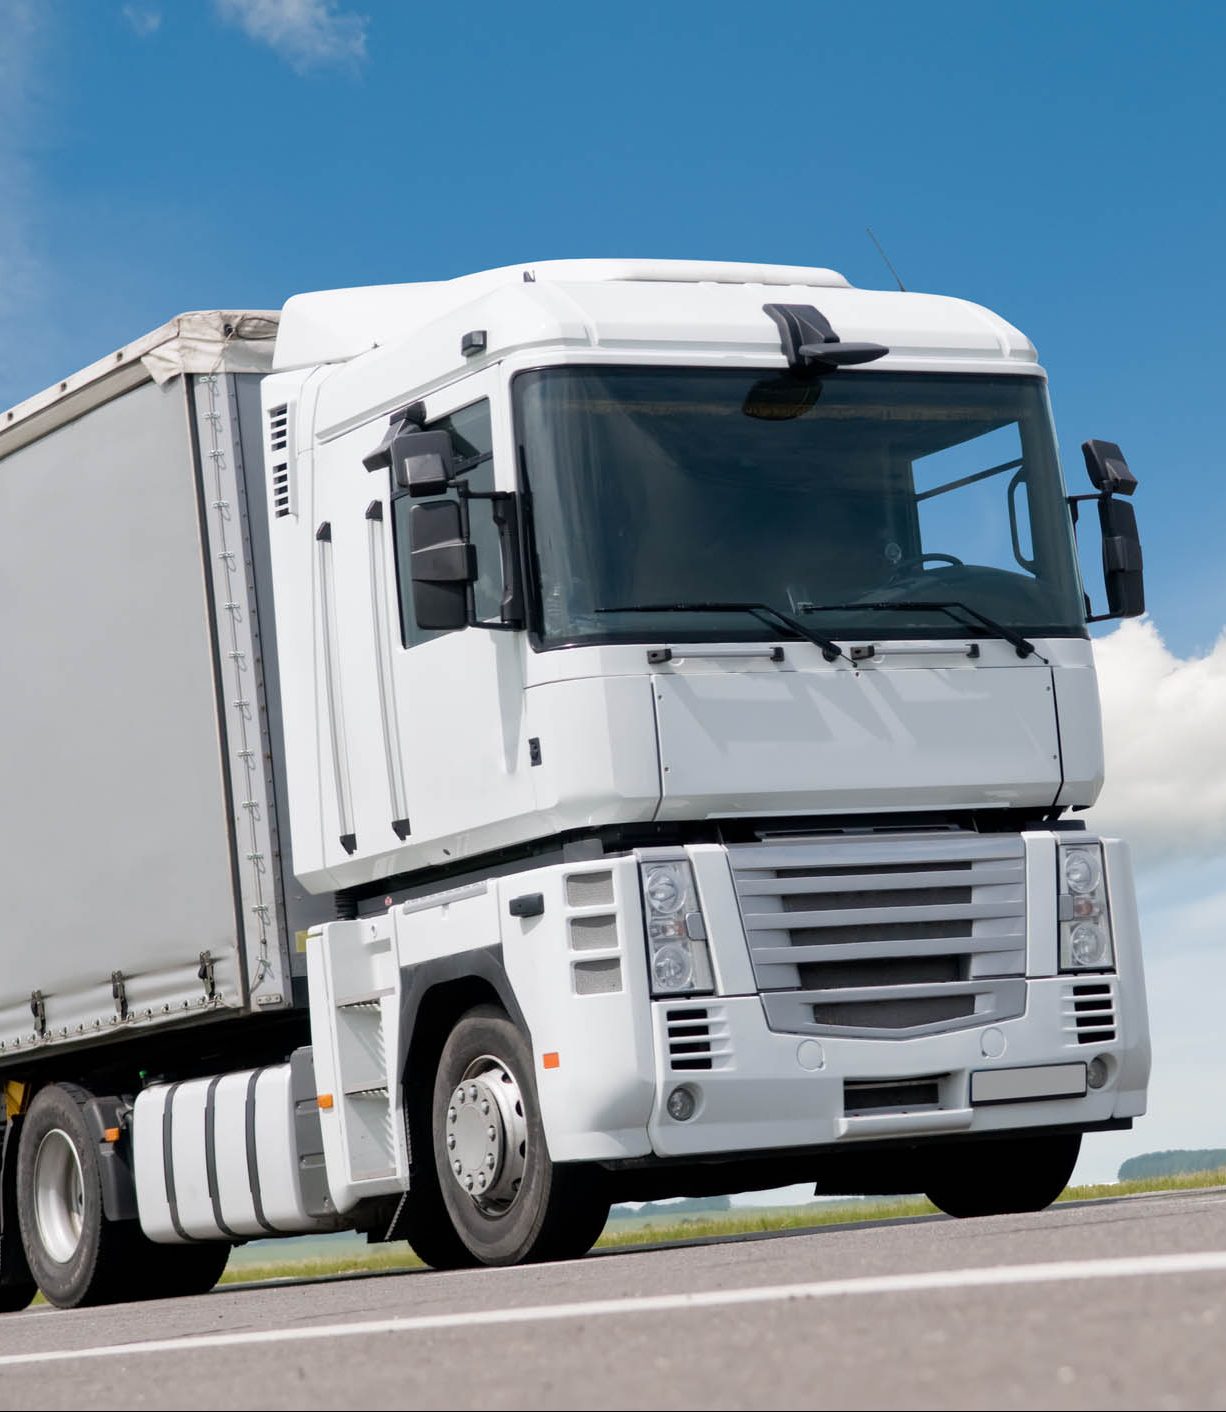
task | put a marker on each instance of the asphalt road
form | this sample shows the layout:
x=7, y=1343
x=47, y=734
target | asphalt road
x=1116, y=1304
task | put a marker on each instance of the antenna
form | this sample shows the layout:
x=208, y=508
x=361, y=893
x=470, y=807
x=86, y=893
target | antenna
x=886, y=258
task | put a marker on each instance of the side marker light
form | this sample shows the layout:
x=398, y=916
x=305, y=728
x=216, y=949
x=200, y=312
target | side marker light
x=552, y=1060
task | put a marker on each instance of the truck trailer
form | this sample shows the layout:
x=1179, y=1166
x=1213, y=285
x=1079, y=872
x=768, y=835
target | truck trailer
x=598, y=730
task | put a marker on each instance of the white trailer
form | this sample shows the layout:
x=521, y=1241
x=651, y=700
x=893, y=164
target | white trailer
x=590, y=731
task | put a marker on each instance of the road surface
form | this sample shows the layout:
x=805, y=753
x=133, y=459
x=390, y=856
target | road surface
x=1115, y=1304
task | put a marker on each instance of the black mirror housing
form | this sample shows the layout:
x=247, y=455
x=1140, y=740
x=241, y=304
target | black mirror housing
x=422, y=462
x=1122, y=561
x=1107, y=468
x=444, y=565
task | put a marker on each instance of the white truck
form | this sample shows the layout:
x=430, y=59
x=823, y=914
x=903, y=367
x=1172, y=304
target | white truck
x=581, y=732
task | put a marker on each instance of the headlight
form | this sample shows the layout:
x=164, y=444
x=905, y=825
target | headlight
x=665, y=888
x=676, y=934
x=1082, y=871
x=1085, y=920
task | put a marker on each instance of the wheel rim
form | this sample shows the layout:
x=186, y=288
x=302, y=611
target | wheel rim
x=487, y=1136
x=59, y=1196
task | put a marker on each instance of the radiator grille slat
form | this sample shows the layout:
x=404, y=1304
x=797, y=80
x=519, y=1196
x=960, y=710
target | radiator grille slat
x=900, y=877
x=864, y=916
x=889, y=935
x=874, y=950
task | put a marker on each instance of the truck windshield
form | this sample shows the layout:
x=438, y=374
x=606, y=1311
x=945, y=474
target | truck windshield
x=658, y=486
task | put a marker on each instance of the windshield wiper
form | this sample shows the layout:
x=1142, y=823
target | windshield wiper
x=762, y=611
x=1021, y=645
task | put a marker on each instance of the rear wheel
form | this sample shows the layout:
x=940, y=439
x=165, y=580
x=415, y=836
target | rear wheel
x=76, y=1256
x=507, y=1201
x=1003, y=1176
x=175, y=1271
x=16, y=1297
x=17, y=1287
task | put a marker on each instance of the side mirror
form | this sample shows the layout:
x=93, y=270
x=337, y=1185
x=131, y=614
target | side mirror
x=1122, y=564
x=443, y=565
x=1107, y=469
x=421, y=462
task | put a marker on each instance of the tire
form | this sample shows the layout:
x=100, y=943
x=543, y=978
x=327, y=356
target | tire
x=1003, y=1177
x=76, y=1256
x=177, y=1271
x=16, y=1297
x=521, y=1206
x=17, y=1287
x=428, y=1229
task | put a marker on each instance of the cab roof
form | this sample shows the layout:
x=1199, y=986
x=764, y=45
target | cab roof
x=695, y=306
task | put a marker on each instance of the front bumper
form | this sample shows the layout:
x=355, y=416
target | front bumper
x=763, y=1090
x=768, y=1091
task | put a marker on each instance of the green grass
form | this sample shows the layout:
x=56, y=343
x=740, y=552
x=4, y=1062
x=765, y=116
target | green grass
x=395, y=1257
x=1143, y=1186
x=738, y=1221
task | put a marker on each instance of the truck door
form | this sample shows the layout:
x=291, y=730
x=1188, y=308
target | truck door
x=451, y=702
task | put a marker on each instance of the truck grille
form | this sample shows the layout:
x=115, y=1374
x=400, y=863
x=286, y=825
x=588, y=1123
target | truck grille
x=891, y=936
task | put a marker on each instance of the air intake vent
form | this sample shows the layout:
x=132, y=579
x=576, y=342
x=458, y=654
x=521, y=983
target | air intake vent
x=1089, y=1012
x=603, y=977
x=278, y=428
x=281, y=462
x=892, y=1095
x=698, y=1039
x=589, y=889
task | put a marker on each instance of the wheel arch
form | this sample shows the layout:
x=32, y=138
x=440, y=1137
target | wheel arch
x=434, y=995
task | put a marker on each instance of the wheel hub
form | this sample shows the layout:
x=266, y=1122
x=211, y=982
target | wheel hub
x=486, y=1135
x=59, y=1196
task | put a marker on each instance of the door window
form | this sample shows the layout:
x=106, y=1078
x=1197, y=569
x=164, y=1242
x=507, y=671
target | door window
x=471, y=435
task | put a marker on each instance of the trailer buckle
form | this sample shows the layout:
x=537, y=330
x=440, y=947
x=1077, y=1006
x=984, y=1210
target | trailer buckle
x=119, y=991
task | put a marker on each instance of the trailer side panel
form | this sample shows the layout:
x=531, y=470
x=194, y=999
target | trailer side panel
x=116, y=852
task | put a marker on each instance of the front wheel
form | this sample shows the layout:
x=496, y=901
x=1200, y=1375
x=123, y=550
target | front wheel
x=1002, y=1176
x=507, y=1201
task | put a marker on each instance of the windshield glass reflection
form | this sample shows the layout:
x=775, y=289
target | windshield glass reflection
x=654, y=485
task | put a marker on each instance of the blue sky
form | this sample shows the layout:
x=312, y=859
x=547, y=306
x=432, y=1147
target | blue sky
x=1059, y=163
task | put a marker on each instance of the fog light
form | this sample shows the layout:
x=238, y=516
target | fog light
x=681, y=1104
x=1098, y=1072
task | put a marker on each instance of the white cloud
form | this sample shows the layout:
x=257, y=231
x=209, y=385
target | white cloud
x=1185, y=974
x=308, y=34
x=1164, y=722
x=144, y=19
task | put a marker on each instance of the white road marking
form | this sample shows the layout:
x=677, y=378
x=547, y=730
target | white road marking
x=1131, y=1267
